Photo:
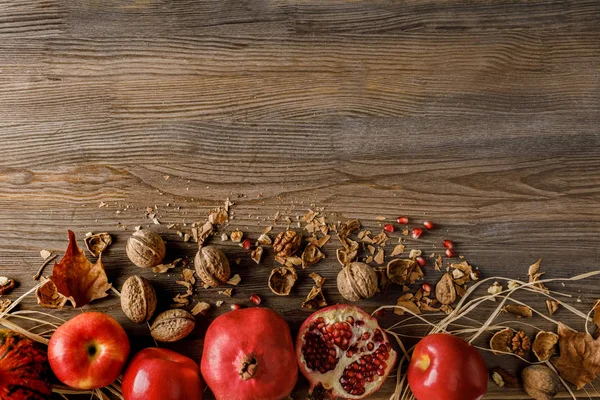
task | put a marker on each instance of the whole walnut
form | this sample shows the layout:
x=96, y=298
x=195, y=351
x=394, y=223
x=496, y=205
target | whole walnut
x=172, y=325
x=540, y=382
x=212, y=267
x=145, y=248
x=138, y=299
x=357, y=281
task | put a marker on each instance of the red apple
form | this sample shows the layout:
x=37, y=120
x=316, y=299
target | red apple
x=445, y=367
x=161, y=374
x=88, y=351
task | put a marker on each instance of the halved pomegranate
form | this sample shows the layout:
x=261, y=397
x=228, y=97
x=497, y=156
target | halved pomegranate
x=343, y=353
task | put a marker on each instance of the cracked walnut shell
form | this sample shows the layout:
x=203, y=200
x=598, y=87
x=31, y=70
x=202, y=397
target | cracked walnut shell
x=287, y=243
x=145, y=248
x=172, y=325
x=357, y=281
x=212, y=267
x=282, y=280
x=138, y=299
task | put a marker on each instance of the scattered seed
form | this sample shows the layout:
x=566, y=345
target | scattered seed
x=421, y=261
x=450, y=253
x=388, y=228
x=416, y=233
x=255, y=299
x=403, y=220
x=428, y=224
x=448, y=244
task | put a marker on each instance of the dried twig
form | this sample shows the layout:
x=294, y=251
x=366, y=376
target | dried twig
x=46, y=262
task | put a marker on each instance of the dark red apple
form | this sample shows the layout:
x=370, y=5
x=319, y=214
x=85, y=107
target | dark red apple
x=161, y=374
x=88, y=351
x=445, y=367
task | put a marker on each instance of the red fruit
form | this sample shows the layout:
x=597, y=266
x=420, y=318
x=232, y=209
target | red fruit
x=342, y=350
x=416, y=233
x=445, y=367
x=247, y=244
x=161, y=374
x=388, y=228
x=428, y=224
x=24, y=368
x=403, y=220
x=421, y=261
x=249, y=354
x=255, y=299
x=450, y=253
x=448, y=244
x=88, y=351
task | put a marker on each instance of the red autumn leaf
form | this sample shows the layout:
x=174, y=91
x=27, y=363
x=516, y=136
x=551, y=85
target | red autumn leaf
x=75, y=278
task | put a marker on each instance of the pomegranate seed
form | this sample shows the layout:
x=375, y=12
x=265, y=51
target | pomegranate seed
x=428, y=224
x=427, y=287
x=236, y=306
x=416, y=233
x=450, y=253
x=448, y=244
x=255, y=299
x=421, y=261
x=247, y=244
x=403, y=220
x=388, y=228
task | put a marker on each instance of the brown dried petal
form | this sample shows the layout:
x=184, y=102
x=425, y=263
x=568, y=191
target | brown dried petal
x=501, y=341
x=408, y=304
x=544, y=345
x=282, y=280
x=97, y=243
x=399, y=270
x=445, y=292
x=311, y=255
x=579, y=360
x=518, y=310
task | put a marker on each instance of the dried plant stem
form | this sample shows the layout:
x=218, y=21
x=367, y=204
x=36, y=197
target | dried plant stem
x=41, y=269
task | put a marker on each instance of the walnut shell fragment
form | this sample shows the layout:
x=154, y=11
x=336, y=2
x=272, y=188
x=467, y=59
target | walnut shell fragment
x=47, y=296
x=287, y=243
x=256, y=254
x=172, y=325
x=544, y=345
x=504, y=379
x=315, y=298
x=345, y=256
x=540, y=382
x=501, y=341
x=282, y=280
x=445, y=292
x=357, y=281
x=519, y=310
x=145, y=248
x=212, y=267
x=399, y=270
x=6, y=285
x=311, y=255
x=97, y=243
x=138, y=299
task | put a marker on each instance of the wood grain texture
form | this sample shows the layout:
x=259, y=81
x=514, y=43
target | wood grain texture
x=481, y=117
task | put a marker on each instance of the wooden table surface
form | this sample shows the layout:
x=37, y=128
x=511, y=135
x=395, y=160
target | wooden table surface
x=480, y=116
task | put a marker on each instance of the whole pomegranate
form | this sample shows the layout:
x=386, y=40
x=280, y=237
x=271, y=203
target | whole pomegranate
x=342, y=351
x=249, y=355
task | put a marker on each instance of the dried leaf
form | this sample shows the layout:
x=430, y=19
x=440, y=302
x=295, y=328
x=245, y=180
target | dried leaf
x=534, y=276
x=162, y=268
x=315, y=298
x=579, y=360
x=399, y=249
x=311, y=255
x=553, y=305
x=76, y=278
x=596, y=317
x=282, y=280
x=200, y=308
x=518, y=310
x=408, y=304
x=234, y=280
x=97, y=243
x=544, y=345
x=399, y=270
x=445, y=292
